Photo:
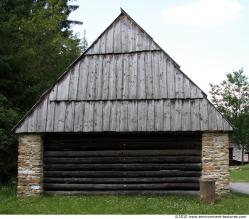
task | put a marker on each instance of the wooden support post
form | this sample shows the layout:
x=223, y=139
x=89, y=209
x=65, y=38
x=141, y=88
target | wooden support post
x=207, y=191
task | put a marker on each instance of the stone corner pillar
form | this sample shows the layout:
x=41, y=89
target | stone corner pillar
x=215, y=160
x=30, y=165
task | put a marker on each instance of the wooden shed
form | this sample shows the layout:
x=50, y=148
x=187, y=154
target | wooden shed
x=122, y=119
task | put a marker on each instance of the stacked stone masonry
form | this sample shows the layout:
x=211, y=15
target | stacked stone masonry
x=215, y=160
x=30, y=162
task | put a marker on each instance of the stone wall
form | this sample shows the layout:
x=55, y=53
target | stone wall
x=215, y=160
x=30, y=162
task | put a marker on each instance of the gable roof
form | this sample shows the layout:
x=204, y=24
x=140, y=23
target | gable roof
x=123, y=82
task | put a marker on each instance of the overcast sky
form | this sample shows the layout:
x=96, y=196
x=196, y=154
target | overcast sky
x=207, y=38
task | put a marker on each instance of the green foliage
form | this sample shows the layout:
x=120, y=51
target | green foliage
x=231, y=97
x=10, y=204
x=37, y=45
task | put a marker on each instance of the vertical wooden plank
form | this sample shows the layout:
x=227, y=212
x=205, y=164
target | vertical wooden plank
x=59, y=118
x=123, y=34
x=132, y=116
x=124, y=120
x=125, y=77
x=42, y=115
x=83, y=79
x=186, y=87
x=129, y=36
x=155, y=77
x=119, y=75
x=163, y=76
x=159, y=118
x=138, y=39
x=178, y=115
x=106, y=70
x=63, y=88
x=90, y=91
x=50, y=111
x=212, y=124
x=166, y=115
x=112, y=78
x=142, y=115
x=88, y=117
x=32, y=118
x=106, y=115
x=173, y=115
x=99, y=77
x=118, y=115
x=151, y=116
x=98, y=116
x=203, y=115
x=132, y=76
x=219, y=120
x=103, y=43
x=73, y=84
x=195, y=115
x=192, y=90
x=179, y=84
x=140, y=76
x=117, y=37
x=170, y=79
x=69, y=116
x=186, y=116
x=78, y=116
x=113, y=116
x=149, y=77
x=109, y=40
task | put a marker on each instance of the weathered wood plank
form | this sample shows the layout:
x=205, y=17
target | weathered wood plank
x=149, y=76
x=127, y=152
x=106, y=115
x=144, y=159
x=78, y=116
x=170, y=79
x=140, y=186
x=186, y=116
x=132, y=80
x=73, y=83
x=141, y=91
x=195, y=114
x=69, y=117
x=142, y=115
x=150, y=116
x=98, y=116
x=122, y=166
x=159, y=118
x=122, y=180
x=112, y=79
x=203, y=115
x=166, y=173
x=83, y=79
x=166, y=115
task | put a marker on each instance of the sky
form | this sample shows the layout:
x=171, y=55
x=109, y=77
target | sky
x=207, y=38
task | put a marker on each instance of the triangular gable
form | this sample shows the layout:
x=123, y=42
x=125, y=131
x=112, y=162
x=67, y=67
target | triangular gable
x=115, y=80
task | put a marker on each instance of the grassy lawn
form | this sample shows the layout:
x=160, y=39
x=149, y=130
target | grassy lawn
x=241, y=174
x=10, y=204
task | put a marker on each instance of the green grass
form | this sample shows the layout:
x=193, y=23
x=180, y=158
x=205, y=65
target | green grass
x=10, y=204
x=241, y=174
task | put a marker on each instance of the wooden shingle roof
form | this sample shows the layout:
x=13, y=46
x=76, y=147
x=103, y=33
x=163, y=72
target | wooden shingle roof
x=123, y=82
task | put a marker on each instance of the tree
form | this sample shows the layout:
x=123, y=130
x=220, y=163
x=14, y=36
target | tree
x=37, y=44
x=231, y=97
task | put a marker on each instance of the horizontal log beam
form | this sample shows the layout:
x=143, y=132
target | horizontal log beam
x=166, y=173
x=119, y=153
x=157, y=159
x=127, y=192
x=121, y=180
x=139, y=186
x=126, y=166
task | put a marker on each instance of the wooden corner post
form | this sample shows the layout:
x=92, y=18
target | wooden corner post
x=207, y=191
